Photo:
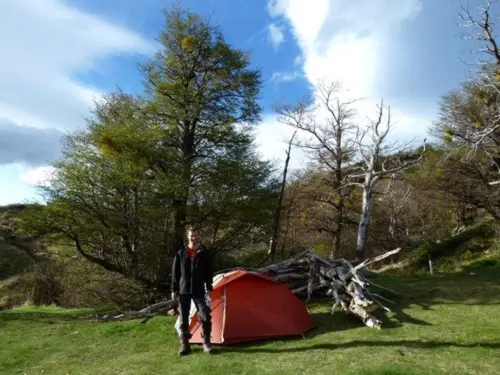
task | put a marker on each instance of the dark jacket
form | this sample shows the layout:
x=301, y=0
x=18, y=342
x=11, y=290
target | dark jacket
x=192, y=277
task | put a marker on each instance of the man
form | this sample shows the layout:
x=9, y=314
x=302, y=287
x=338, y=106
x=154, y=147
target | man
x=191, y=275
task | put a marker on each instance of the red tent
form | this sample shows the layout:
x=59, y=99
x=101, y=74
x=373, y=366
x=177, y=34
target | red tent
x=249, y=306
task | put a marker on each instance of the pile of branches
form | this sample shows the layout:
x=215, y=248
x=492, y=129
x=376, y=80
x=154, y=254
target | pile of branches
x=306, y=275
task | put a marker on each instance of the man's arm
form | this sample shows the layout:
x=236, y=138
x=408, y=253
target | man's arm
x=209, y=275
x=176, y=274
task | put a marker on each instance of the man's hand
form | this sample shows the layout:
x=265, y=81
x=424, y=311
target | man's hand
x=175, y=298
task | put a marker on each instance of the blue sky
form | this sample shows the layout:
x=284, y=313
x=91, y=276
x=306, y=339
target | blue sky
x=71, y=51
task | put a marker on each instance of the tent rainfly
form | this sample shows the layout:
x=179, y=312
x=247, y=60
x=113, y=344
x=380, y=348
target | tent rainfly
x=250, y=306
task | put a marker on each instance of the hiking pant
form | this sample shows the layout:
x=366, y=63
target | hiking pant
x=204, y=314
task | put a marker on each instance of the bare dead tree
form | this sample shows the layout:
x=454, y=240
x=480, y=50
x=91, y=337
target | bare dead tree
x=377, y=161
x=482, y=29
x=326, y=125
x=395, y=205
x=277, y=215
x=478, y=128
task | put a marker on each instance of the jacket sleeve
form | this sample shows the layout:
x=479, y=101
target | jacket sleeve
x=176, y=274
x=209, y=272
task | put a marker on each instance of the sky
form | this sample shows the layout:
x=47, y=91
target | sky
x=68, y=53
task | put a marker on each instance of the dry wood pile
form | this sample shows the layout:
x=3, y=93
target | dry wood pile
x=306, y=275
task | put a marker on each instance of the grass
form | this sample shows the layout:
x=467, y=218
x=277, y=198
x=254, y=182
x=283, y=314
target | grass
x=453, y=329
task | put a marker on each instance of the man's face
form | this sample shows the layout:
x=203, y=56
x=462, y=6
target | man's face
x=194, y=238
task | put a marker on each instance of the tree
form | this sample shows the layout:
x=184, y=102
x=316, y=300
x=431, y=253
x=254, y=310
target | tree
x=377, y=161
x=103, y=196
x=469, y=116
x=201, y=89
x=183, y=153
x=330, y=144
x=396, y=203
x=460, y=187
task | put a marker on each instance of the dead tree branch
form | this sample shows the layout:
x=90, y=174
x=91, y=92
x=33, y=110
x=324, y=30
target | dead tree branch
x=375, y=157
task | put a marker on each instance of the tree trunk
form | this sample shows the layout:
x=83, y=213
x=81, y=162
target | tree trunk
x=277, y=215
x=180, y=204
x=364, y=222
x=338, y=232
x=162, y=278
x=179, y=226
x=392, y=226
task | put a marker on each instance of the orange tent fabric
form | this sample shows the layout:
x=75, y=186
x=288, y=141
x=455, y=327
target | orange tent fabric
x=249, y=306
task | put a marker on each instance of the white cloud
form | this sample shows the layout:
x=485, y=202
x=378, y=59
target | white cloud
x=40, y=59
x=276, y=35
x=37, y=176
x=45, y=43
x=285, y=76
x=343, y=40
x=272, y=138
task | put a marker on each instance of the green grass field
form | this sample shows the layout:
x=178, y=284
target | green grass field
x=453, y=329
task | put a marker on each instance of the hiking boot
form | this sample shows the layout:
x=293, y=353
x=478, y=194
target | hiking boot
x=185, y=348
x=206, y=335
x=207, y=347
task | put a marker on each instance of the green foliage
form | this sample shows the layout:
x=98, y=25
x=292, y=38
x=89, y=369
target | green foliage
x=448, y=135
x=197, y=79
x=323, y=247
x=145, y=167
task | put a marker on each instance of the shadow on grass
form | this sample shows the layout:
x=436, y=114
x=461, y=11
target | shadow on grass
x=408, y=344
x=425, y=291
x=326, y=322
x=482, y=264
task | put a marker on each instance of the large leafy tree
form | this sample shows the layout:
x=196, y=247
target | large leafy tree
x=103, y=196
x=202, y=92
x=147, y=166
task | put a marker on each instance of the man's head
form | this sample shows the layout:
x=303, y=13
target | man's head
x=193, y=236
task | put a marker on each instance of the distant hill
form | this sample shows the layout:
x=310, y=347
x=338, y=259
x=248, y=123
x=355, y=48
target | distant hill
x=16, y=267
x=13, y=260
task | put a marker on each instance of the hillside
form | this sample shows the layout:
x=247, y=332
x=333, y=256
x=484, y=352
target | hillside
x=33, y=274
x=16, y=267
x=13, y=260
x=476, y=247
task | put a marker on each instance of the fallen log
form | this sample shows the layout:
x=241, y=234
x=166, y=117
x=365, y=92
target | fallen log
x=306, y=275
x=160, y=308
